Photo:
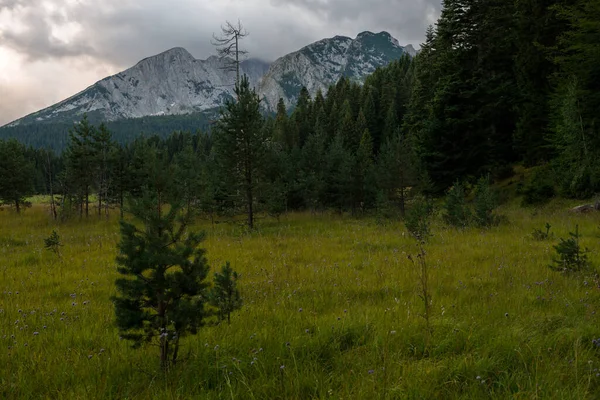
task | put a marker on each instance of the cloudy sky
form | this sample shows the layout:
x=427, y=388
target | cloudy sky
x=51, y=49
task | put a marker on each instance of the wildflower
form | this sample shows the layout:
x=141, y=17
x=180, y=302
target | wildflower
x=371, y=371
x=393, y=332
x=282, y=367
x=90, y=356
x=35, y=333
x=300, y=309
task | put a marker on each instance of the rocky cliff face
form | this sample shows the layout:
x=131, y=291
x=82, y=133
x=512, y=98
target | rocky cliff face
x=174, y=82
x=321, y=64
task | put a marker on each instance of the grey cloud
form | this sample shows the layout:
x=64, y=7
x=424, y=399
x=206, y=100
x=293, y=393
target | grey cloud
x=405, y=20
x=123, y=32
x=37, y=41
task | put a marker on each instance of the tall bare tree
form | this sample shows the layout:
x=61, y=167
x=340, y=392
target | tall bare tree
x=228, y=46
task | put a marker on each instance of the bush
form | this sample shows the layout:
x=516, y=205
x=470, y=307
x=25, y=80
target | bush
x=485, y=203
x=456, y=211
x=417, y=218
x=540, y=189
x=571, y=257
x=540, y=235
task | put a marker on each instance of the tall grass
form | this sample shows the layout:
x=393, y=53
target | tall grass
x=332, y=310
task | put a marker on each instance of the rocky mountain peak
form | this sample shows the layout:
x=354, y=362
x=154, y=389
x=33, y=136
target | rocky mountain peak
x=174, y=82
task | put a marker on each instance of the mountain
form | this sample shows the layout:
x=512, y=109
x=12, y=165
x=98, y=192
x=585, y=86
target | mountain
x=170, y=83
x=321, y=64
x=175, y=83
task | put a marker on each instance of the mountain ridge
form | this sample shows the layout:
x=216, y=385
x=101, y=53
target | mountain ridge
x=174, y=82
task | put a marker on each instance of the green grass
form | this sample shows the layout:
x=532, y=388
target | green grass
x=331, y=311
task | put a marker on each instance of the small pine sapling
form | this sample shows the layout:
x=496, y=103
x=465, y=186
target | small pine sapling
x=161, y=295
x=417, y=218
x=52, y=243
x=540, y=235
x=485, y=204
x=457, y=213
x=571, y=257
x=224, y=295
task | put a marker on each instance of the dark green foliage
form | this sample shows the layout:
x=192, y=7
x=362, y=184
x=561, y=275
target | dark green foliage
x=418, y=217
x=224, y=294
x=55, y=136
x=456, y=210
x=398, y=170
x=52, y=243
x=540, y=235
x=540, y=188
x=571, y=257
x=16, y=174
x=162, y=291
x=240, y=144
x=485, y=203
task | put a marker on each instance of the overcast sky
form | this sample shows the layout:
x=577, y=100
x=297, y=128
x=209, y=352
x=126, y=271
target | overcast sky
x=52, y=49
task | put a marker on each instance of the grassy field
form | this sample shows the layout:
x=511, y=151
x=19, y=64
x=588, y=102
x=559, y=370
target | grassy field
x=331, y=311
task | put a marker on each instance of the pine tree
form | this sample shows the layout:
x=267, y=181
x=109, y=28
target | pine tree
x=16, y=174
x=161, y=294
x=81, y=161
x=347, y=128
x=224, y=295
x=240, y=143
x=398, y=169
x=363, y=189
x=104, y=154
x=281, y=125
x=187, y=175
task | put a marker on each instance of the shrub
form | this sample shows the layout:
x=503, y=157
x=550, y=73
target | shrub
x=456, y=211
x=417, y=218
x=571, y=257
x=485, y=203
x=539, y=189
x=540, y=235
x=52, y=243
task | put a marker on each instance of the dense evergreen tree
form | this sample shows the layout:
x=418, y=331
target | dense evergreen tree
x=161, y=296
x=16, y=174
x=240, y=143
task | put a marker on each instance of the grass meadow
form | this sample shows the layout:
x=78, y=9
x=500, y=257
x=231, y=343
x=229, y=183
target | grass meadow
x=332, y=310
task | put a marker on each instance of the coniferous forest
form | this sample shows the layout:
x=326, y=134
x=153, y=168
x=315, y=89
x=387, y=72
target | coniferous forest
x=412, y=236
x=494, y=85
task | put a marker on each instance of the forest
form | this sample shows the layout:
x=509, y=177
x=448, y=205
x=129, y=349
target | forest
x=488, y=90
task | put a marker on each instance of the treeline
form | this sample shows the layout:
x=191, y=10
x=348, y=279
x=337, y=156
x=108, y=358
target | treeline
x=55, y=136
x=496, y=83
x=321, y=156
x=499, y=82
